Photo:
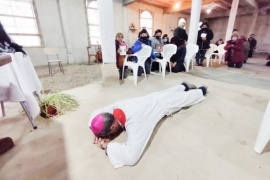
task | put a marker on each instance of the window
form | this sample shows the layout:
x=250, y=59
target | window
x=93, y=22
x=146, y=21
x=182, y=20
x=19, y=20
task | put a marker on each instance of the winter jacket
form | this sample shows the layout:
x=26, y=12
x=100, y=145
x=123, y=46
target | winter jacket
x=209, y=36
x=234, y=54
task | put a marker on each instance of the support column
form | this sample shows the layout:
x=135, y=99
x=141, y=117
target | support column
x=106, y=19
x=194, y=21
x=110, y=74
x=65, y=29
x=231, y=21
x=253, y=23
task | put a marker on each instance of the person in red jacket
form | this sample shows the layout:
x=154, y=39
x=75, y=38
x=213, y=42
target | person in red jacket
x=235, y=52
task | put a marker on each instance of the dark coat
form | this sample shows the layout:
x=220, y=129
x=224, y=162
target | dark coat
x=181, y=33
x=179, y=58
x=235, y=54
x=209, y=36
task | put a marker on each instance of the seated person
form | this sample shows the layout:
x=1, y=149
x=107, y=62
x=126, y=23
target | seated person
x=165, y=39
x=137, y=46
x=235, y=52
x=178, y=59
x=138, y=117
x=156, y=41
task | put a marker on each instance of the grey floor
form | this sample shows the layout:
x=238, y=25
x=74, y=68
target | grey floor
x=254, y=73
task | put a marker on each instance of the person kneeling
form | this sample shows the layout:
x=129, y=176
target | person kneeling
x=235, y=52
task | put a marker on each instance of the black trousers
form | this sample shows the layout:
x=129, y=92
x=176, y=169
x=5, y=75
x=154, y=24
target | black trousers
x=147, y=65
x=200, y=56
x=237, y=65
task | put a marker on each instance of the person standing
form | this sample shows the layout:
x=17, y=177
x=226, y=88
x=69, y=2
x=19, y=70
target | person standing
x=180, y=32
x=205, y=35
x=253, y=42
x=120, y=55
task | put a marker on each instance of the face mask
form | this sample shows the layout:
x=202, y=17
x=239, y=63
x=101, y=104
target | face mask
x=234, y=38
x=144, y=38
x=165, y=40
x=158, y=37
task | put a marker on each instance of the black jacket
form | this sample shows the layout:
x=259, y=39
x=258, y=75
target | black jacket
x=181, y=33
x=209, y=36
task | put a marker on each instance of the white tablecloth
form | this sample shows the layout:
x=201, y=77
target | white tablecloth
x=18, y=81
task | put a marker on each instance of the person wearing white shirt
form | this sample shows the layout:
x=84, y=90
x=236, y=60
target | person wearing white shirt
x=139, y=116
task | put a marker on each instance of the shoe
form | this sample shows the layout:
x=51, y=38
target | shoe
x=5, y=144
x=204, y=89
x=188, y=86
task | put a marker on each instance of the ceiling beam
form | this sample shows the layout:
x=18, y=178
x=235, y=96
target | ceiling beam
x=223, y=7
x=240, y=11
x=186, y=5
x=252, y=3
x=225, y=2
x=126, y=2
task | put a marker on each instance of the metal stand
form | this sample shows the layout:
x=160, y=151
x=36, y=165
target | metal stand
x=28, y=114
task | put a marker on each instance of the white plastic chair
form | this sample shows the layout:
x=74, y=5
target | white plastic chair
x=49, y=52
x=141, y=55
x=220, y=54
x=192, y=49
x=208, y=54
x=168, y=51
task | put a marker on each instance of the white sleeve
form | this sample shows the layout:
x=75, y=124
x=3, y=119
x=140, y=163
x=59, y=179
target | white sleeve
x=121, y=154
x=108, y=109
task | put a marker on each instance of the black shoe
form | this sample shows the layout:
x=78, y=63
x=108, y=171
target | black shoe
x=204, y=89
x=5, y=144
x=188, y=86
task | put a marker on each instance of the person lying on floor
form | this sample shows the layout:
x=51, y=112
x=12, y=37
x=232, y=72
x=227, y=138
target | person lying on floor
x=138, y=117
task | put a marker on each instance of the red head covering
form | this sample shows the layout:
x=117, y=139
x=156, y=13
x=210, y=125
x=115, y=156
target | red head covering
x=120, y=116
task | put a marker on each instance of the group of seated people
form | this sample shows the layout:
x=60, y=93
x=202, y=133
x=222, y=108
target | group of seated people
x=156, y=42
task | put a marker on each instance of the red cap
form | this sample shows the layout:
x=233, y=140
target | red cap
x=120, y=116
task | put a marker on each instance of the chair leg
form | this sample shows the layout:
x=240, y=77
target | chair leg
x=163, y=68
x=61, y=67
x=3, y=109
x=135, y=75
x=49, y=68
x=144, y=72
x=28, y=114
x=170, y=67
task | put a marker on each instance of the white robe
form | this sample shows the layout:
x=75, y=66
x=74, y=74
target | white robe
x=142, y=115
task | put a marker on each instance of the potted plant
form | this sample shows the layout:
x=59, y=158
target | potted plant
x=53, y=104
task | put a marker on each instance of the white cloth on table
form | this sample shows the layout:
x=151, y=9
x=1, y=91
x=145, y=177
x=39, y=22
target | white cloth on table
x=21, y=81
x=142, y=115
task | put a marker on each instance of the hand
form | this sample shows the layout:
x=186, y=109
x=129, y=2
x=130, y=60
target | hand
x=118, y=50
x=203, y=38
x=102, y=143
x=232, y=45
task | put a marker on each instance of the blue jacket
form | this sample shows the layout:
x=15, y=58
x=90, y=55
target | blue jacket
x=137, y=46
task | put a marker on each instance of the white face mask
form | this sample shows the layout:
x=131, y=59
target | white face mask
x=234, y=38
x=165, y=40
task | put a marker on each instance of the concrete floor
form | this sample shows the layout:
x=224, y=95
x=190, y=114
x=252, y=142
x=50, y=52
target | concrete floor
x=212, y=140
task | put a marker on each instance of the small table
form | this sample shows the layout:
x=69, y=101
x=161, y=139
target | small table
x=18, y=83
